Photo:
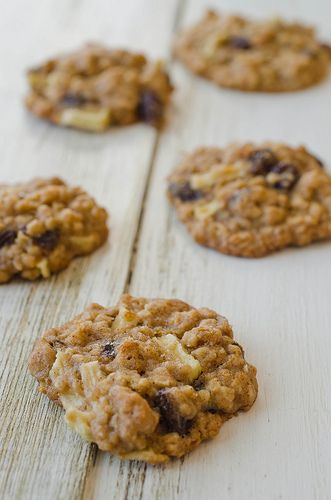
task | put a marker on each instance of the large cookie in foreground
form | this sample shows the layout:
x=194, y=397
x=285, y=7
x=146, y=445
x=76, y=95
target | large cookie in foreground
x=146, y=379
x=270, y=56
x=95, y=88
x=44, y=224
x=250, y=200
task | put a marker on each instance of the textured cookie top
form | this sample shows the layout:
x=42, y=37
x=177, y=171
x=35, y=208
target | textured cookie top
x=271, y=55
x=147, y=379
x=95, y=88
x=44, y=224
x=250, y=200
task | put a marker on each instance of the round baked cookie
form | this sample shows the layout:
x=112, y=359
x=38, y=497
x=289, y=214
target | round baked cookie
x=250, y=200
x=95, y=88
x=148, y=379
x=44, y=224
x=270, y=56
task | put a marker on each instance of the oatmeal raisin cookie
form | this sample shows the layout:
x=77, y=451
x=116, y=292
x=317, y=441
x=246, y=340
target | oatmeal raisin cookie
x=271, y=55
x=250, y=200
x=44, y=224
x=95, y=88
x=146, y=379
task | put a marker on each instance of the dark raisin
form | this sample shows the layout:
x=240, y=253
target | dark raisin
x=198, y=385
x=240, y=42
x=170, y=416
x=109, y=350
x=262, y=161
x=288, y=176
x=47, y=240
x=184, y=192
x=217, y=411
x=150, y=107
x=73, y=100
x=7, y=237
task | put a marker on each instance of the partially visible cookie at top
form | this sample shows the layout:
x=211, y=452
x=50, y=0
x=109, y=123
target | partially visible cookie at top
x=44, y=224
x=270, y=56
x=250, y=200
x=96, y=87
x=147, y=379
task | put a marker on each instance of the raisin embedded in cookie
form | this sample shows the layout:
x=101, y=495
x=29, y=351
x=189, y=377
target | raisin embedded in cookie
x=44, y=224
x=95, y=88
x=146, y=379
x=271, y=55
x=251, y=200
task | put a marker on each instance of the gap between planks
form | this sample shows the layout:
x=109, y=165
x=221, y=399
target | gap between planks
x=177, y=19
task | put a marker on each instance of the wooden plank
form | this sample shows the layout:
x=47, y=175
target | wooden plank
x=40, y=457
x=279, y=306
x=107, y=474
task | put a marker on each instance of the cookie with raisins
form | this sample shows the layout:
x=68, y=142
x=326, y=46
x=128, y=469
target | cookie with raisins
x=271, y=55
x=147, y=379
x=96, y=88
x=251, y=200
x=44, y=224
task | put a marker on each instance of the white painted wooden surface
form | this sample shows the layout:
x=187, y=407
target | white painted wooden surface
x=279, y=306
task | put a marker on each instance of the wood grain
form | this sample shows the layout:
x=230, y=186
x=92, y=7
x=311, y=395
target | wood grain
x=279, y=306
x=40, y=457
